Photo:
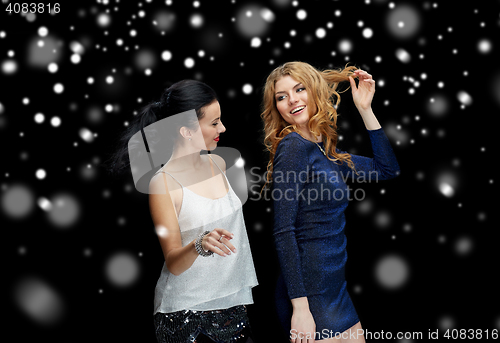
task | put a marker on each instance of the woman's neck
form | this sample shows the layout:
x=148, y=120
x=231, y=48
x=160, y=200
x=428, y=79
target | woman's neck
x=307, y=134
x=185, y=159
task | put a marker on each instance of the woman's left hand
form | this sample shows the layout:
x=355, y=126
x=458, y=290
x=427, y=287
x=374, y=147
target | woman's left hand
x=363, y=93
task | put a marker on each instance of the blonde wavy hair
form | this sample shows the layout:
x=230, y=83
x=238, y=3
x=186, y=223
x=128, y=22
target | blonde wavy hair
x=321, y=88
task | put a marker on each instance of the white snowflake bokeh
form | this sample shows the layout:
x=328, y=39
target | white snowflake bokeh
x=79, y=245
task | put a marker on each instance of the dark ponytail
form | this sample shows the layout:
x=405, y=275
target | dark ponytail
x=182, y=96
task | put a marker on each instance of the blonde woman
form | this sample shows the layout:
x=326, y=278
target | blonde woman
x=310, y=195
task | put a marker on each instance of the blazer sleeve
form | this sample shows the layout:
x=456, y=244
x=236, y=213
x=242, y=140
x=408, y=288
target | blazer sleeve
x=383, y=165
x=289, y=178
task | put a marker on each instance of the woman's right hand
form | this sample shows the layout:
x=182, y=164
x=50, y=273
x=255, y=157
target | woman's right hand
x=303, y=327
x=213, y=242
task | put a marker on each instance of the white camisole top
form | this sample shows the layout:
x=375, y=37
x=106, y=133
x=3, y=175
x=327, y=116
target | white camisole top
x=212, y=282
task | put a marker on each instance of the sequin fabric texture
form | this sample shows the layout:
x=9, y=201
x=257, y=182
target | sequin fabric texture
x=310, y=196
x=221, y=326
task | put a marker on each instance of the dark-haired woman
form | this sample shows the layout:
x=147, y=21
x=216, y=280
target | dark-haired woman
x=208, y=272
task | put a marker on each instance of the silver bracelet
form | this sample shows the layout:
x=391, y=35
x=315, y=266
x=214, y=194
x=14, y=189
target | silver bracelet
x=198, y=246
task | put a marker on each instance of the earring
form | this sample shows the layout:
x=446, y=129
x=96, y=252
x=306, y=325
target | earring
x=189, y=138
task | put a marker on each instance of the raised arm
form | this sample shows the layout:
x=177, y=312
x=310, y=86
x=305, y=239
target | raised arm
x=382, y=166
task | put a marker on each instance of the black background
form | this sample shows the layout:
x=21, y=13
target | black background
x=444, y=286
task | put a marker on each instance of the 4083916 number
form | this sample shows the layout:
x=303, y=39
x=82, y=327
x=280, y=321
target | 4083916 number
x=33, y=7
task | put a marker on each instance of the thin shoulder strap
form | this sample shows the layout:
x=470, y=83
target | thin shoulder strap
x=227, y=180
x=162, y=171
x=166, y=189
x=215, y=163
x=228, y=184
x=220, y=169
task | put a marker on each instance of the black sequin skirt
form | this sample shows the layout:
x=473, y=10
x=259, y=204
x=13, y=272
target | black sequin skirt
x=221, y=326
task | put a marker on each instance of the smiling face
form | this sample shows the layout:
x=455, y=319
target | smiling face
x=291, y=101
x=211, y=125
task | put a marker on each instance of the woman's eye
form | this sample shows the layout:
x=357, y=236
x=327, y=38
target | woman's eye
x=215, y=124
x=280, y=98
x=300, y=89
